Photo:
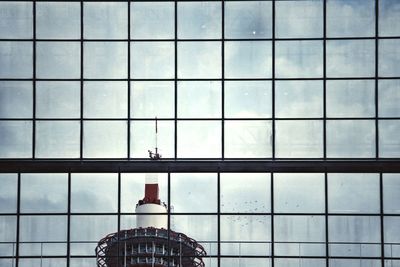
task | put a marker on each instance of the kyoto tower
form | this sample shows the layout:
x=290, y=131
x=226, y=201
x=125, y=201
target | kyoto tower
x=151, y=243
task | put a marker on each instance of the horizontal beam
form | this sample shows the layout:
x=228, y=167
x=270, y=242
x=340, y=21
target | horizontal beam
x=197, y=166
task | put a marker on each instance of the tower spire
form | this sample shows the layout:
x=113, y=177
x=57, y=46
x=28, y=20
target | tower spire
x=155, y=155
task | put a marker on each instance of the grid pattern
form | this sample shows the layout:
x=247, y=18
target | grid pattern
x=226, y=79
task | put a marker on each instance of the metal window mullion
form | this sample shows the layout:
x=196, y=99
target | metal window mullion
x=81, y=82
x=376, y=78
x=169, y=218
x=219, y=219
x=273, y=85
x=326, y=219
x=272, y=221
x=176, y=81
x=69, y=221
x=129, y=83
x=324, y=83
x=222, y=87
x=34, y=81
x=18, y=220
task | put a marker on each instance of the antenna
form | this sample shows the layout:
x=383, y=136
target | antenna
x=156, y=155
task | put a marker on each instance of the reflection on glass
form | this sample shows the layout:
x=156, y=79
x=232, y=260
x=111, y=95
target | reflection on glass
x=392, y=228
x=8, y=193
x=105, y=60
x=44, y=262
x=248, y=59
x=353, y=193
x=15, y=99
x=389, y=98
x=44, y=192
x=199, y=20
x=58, y=60
x=354, y=263
x=199, y=59
x=389, y=57
x=8, y=229
x=299, y=19
x=298, y=262
x=350, y=98
x=16, y=20
x=16, y=139
x=105, y=20
x=245, y=192
x=389, y=13
x=389, y=142
x=248, y=139
x=350, y=138
x=299, y=59
x=228, y=262
x=82, y=262
x=298, y=99
x=103, y=199
x=15, y=59
x=391, y=192
x=152, y=60
x=201, y=99
x=299, y=192
x=252, y=19
x=350, y=58
x=299, y=139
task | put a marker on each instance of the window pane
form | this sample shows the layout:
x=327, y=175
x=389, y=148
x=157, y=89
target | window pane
x=8, y=228
x=153, y=60
x=57, y=139
x=238, y=261
x=350, y=58
x=16, y=20
x=106, y=60
x=201, y=99
x=298, y=59
x=199, y=59
x=104, y=139
x=199, y=139
x=389, y=98
x=58, y=60
x=299, y=19
x=98, y=95
x=199, y=20
x=245, y=192
x=389, y=142
x=58, y=20
x=391, y=192
x=392, y=228
x=354, y=263
x=353, y=193
x=16, y=59
x=8, y=193
x=42, y=262
x=298, y=262
x=248, y=59
x=348, y=18
x=248, y=99
x=58, y=99
x=350, y=98
x=248, y=139
x=152, y=99
x=252, y=19
x=16, y=139
x=298, y=99
x=152, y=20
x=389, y=13
x=299, y=192
x=299, y=139
x=44, y=192
x=16, y=99
x=389, y=57
x=351, y=138
x=105, y=20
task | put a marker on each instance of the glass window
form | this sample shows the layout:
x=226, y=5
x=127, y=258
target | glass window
x=105, y=20
x=43, y=262
x=389, y=57
x=350, y=98
x=85, y=199
x=389, y=142
x=354, y=263
x=248, y=139
x=105, y=139
x=152, y=60
x=16, y=139
x=106, y=60
x=16, y=20
x=298, y=59
x=248, y=20
x=389, y=13
x=299, y=192
x=299, y=139
x=143, y=138
x=298, y=262
x=350, y=18
x=296, y=19
x=391, y=192
x=389, y=98
x=8, y=193
x=199, y=60
x=57, y=139
x=199, y=139
x=58, y=60
x=44, y=192
x=353, y=193
x=392, y=228
x=200, y=99
x=59, y=99
x=58, y=20
x=152, y=20
x=249, y=59
x=15, y=99
x=16, y=59
x=350, y=138
x=8, y=228
x=238, y=261
x=194, y=192
x=98, y=95
x=245, y=192
x=350, y=58
x=199, y=20
x=152, y=99
x=299, y=99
